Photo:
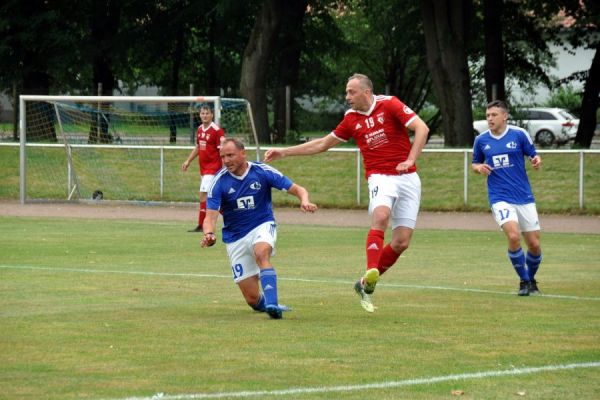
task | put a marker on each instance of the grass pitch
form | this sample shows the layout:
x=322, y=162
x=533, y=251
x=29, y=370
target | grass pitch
x=127, y=309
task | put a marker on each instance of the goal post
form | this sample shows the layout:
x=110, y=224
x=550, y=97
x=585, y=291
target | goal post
x=129, y=148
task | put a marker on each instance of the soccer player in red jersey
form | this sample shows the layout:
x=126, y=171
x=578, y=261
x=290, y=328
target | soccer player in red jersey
x=208, y=143
x=379, y=125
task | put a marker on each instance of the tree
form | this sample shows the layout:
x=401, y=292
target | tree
x=104, y=27
x=255, y=64
x=290, y=45
x=583, y=31
x=32, y=36
x=589, y=105
x=494, y=50
x=393, y=58
x=445, y=38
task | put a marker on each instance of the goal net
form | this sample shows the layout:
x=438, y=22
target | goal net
x=117, y=147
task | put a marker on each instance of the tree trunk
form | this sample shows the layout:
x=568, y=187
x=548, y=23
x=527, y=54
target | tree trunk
x=589, y=105
x=42, y=118
x=211, y=76
x=494, y=50
x=255, y=64
x=290, y=45
x=177, y=57
x=104, y=26
x=445, y=27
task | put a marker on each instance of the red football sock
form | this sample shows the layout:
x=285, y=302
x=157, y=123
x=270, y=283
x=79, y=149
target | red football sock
x=374, y=246
x=202, y=213
x=387, y=259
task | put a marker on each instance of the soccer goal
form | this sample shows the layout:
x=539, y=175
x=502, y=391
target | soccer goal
x=119, y=148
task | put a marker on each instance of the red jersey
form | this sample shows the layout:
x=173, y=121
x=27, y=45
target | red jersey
x=380, y=134
x=208, y=141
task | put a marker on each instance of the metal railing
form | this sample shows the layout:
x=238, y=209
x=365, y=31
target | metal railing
x=465, y=154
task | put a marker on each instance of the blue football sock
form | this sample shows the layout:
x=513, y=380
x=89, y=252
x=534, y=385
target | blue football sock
x=533, y=263
x=260, y=306
x=268, y=280
x=517, y=258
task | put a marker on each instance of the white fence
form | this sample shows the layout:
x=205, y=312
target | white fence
x=466, y=153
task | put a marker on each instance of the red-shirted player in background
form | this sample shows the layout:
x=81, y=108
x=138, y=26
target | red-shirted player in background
x=208, y=143
x=378, y=125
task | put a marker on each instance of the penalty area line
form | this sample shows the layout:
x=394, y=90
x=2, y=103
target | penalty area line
x=329, y=281
x=371, y=386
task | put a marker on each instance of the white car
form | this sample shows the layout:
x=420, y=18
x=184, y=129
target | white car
x=547, y=126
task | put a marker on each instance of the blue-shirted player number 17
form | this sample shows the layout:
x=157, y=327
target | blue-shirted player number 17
x=503, y=214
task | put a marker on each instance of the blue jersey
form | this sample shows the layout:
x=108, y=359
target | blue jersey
x=245, y=201
x=505, y=154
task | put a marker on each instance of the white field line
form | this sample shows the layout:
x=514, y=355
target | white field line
x=370, y=386
x=338, y=281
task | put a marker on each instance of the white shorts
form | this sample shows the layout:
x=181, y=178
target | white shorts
x=205, y=182
x=400, y=193
x=241, y=252
x=524, y=214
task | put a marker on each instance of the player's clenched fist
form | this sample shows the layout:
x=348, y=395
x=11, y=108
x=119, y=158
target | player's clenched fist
x=208, y=240
x=308, y=207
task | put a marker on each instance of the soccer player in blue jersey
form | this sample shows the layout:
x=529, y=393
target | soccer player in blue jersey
x=498, y=154
x=241, y=191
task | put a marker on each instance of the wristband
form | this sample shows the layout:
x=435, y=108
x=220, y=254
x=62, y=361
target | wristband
x=209, y=233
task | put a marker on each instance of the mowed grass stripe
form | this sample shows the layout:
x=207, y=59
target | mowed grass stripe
x=372, y=386
x=326, y=281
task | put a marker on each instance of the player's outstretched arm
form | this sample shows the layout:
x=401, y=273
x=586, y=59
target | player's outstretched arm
x=302, y=195
x=305, y=149
x=208, y=227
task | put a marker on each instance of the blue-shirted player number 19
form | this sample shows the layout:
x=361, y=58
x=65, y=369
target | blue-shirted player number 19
x=237, y=270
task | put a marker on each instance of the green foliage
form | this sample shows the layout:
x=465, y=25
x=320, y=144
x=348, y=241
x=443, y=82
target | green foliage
x=129, y=309
x=567, y=98
x=316, y=121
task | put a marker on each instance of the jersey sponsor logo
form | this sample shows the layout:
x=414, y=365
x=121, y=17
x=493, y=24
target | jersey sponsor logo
x=255, y=185
x=407, y=110
x=231, y=190
x=357, y=127
x=376, y=139
x=245, y=203
x=501, y=161
x=511, y=145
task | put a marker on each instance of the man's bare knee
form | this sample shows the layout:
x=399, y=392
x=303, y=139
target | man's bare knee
x=399, y=246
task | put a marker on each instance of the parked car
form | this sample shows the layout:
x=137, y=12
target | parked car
x=547, y=126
